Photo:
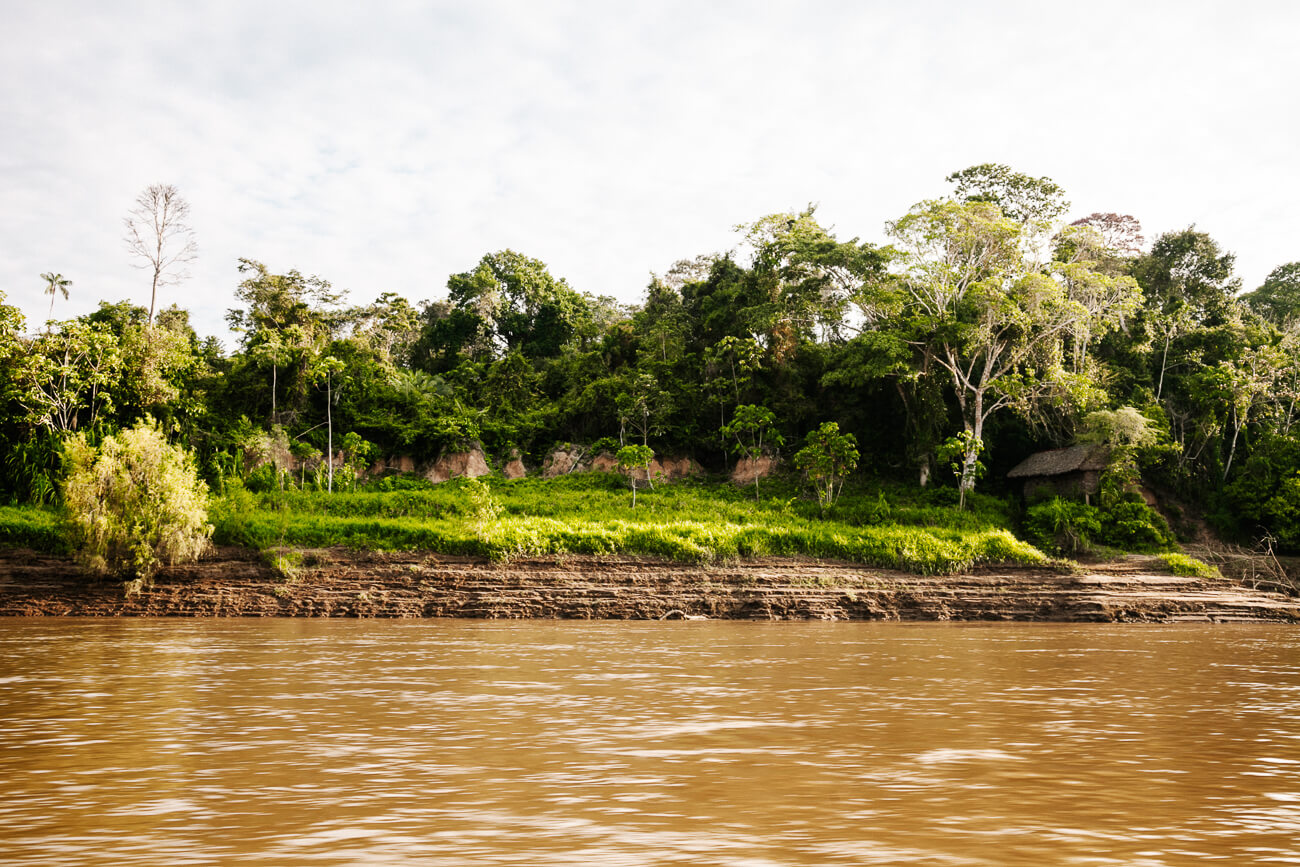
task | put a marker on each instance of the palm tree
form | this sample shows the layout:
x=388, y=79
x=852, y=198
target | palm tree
x=55, y=283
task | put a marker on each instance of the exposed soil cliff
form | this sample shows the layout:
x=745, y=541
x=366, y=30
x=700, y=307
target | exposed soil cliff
x=341, y=583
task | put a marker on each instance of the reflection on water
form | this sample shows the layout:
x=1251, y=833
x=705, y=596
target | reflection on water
x=295, y=742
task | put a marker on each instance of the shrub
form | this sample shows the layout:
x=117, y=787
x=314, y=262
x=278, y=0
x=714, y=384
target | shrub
x=134, y=503
x=633, y=458
x=1070, y=526
x=1063, y=525
x=604, y=444
x=827, y=458
x=1181, y=564
x=1134, y=526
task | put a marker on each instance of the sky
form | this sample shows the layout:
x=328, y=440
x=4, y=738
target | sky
x=388, y=145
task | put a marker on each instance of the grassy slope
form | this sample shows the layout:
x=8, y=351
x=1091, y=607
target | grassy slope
x=33, y=527
x=591, y=514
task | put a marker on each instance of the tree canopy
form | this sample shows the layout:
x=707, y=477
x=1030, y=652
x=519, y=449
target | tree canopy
x=978, y=327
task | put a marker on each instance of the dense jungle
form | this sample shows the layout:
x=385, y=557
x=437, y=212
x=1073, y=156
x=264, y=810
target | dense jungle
x=891, y=383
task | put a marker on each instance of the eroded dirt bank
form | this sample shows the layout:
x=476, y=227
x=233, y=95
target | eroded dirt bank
x=341, y=583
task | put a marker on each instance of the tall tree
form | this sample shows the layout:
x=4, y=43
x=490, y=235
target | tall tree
x=158, y=232
x=1120, y=233
x=1034, y=203
x=1278, y=298
x=288, y=318
x=807, y=279
x=513, y=302
x=72, y=371
x=1188, y=268
x=54, y=284
x=1092, y=271
x=984, y=312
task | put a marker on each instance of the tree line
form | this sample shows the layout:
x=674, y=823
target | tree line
x=985, y=325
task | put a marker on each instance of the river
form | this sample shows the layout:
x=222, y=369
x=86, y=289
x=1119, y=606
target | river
x=304, y=742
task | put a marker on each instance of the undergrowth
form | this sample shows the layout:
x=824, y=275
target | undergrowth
x=1181, y=564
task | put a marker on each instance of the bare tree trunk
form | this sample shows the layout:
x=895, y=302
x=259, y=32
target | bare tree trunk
x=153, y=292
x=972, y=452
x=1163, y=362
x=1232, y=450
x=158, y=231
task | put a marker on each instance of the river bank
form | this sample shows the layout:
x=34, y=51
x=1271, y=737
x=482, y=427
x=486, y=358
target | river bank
x=337, y=582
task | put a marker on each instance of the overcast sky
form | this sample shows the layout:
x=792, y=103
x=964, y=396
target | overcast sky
x=385, y=146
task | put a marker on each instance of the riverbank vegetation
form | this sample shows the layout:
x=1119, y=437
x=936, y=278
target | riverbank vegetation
x=590, y=514
x=985, y=324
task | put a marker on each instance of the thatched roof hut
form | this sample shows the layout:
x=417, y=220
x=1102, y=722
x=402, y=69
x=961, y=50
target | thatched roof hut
x=1070, y=472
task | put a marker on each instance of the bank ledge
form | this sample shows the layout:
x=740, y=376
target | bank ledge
x=338, y=582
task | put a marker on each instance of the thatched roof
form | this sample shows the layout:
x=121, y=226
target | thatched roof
x=1058, y=462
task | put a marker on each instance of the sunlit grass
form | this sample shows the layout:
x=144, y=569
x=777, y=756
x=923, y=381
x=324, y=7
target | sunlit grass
x=592, y=515
x=34, y=527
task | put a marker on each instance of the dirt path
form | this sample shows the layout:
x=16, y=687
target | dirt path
x=341, y=583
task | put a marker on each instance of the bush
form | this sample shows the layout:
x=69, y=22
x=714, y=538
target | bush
x=827, y=460
x=1181, y=564
x=1067, y=526
x=135, y=503
x=1135, y=526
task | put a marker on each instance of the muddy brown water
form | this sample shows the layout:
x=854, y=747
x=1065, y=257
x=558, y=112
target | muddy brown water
x=305, y=742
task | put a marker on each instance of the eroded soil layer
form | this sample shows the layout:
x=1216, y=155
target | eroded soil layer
x=341, y=583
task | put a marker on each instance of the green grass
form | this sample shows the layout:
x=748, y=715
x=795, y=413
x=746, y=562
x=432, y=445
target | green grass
x=591, y=514
x=33, y=527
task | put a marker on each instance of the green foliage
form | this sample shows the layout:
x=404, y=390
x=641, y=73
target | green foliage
x=976, y=301
x=1125, y=426
x=954, y=452
x=605, y=444
x=1265, y=496
x=1021, y=197
x=1072, y=527
x=635, y=457
x=134, y=504
x=69, y=377
x=985, y=316
x=508, y=301
x=1181, y=564
x=827, y=459
x=30, y=470
x=1066, y=526
x=1278, y=298
x=1188, y=270
x=1132, y=525
x=357, y=452
x=484, y=509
